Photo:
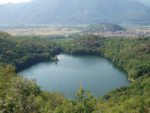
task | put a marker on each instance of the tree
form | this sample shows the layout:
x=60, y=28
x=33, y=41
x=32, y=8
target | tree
x=84, y=103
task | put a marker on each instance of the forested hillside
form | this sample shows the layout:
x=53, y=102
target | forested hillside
x=132, y=99
x=23, y=52
x=130, y=54
x=19, y=95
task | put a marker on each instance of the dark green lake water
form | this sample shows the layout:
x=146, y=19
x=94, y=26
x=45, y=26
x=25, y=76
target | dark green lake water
x=94, y=73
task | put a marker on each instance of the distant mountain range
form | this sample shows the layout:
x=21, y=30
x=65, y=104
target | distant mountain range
x=76, y=12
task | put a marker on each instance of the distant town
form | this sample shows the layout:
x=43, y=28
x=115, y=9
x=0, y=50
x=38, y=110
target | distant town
x=72, y=30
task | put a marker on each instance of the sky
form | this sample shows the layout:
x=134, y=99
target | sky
x=13, y=1
x=147, y=2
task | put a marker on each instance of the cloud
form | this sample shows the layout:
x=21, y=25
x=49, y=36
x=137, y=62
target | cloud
x=13, y=1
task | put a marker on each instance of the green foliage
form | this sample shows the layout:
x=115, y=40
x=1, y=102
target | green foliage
x=87, y=44
x=102, y=28
x=132, y=99
x=130, y=54
x=19, y=95
x=49, y=101
x=84, y=103
x=23, y=52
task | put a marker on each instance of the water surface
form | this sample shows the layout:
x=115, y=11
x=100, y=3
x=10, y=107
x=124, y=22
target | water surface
x=94, y=73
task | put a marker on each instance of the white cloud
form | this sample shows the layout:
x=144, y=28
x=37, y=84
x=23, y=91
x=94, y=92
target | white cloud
x=13, y=1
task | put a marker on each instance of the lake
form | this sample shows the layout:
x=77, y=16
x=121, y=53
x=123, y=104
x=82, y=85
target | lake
x=95, y=73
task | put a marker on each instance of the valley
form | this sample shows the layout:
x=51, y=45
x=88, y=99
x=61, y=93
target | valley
x=74, y=56
x=129, y=54
x=106, y=30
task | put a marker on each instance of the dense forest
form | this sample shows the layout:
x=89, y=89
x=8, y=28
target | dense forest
x=22, y=52
x=20, y=95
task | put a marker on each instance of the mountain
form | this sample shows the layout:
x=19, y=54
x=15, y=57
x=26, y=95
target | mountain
x=76, y=12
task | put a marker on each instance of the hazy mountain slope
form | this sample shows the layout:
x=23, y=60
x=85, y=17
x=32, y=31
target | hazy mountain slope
x=76, y=12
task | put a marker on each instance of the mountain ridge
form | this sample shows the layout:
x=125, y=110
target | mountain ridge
x=75, y=12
